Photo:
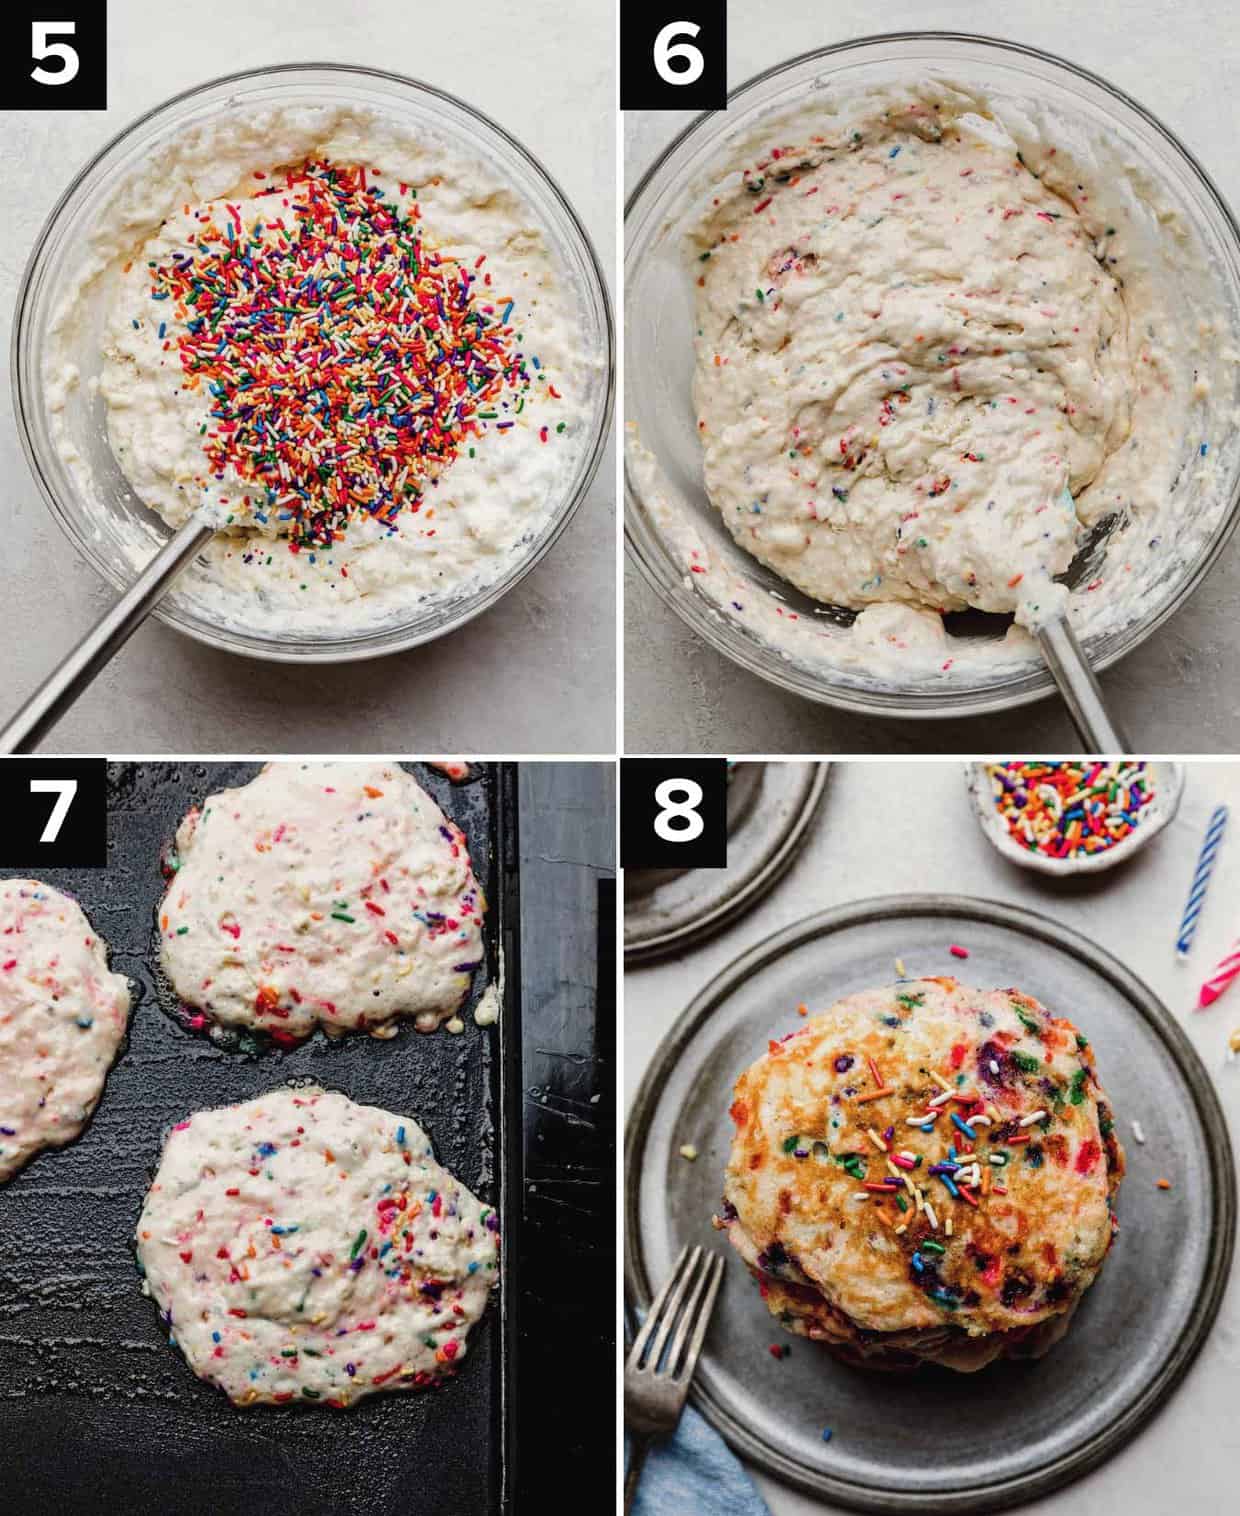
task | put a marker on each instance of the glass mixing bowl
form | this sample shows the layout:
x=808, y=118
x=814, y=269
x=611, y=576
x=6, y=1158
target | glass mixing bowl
x=105, y=519
x=666, y=506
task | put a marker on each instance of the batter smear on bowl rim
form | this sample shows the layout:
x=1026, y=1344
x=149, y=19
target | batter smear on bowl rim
x=322, y=894
x=356, y=360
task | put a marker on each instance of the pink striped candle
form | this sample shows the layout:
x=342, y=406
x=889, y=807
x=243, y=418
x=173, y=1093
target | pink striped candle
x=1224, y=972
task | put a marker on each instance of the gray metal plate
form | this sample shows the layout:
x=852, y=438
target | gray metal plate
x=906, y=1442
x=764, y=835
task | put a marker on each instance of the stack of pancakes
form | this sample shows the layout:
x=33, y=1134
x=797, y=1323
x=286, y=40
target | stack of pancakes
x=924, y=1173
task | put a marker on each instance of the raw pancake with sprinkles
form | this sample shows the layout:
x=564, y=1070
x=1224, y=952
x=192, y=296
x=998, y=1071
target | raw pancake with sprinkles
x=303, y=1247
x=62, y=1018
x=322, y=894
x=924, y=1173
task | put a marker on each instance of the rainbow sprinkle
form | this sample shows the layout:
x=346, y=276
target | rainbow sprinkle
x=348, y=360
x=1070, y=810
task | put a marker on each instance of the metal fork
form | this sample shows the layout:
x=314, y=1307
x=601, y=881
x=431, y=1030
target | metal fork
x=655, y=1396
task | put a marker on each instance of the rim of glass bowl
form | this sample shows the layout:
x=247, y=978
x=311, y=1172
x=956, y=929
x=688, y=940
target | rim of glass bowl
x=25, y=369
x=658, y=568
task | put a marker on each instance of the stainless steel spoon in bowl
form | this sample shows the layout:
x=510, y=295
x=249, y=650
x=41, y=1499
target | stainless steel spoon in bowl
x=1081, y=691
x=1078, y=684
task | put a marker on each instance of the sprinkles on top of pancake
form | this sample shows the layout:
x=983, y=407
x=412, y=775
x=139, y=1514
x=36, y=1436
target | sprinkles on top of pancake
x=924, y=1172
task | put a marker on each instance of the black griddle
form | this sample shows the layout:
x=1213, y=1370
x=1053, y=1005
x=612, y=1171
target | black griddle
x=96, y=1409
x=564, y=1422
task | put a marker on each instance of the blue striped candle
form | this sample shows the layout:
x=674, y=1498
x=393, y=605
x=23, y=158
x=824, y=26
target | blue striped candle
x=1201, y=880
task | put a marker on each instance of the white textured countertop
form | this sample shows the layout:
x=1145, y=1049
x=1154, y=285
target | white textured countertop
x=873, y=813
x=1177, y=693
x=552, y=638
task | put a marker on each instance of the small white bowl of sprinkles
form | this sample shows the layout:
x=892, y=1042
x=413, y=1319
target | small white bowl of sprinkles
x=1073, y=817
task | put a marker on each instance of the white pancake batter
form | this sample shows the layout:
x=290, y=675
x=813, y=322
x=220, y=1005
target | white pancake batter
x=62, y=1018
x=1148, y=447
x=915, y=364
x=300, y=1246
x=332, y=894
x=466, y=509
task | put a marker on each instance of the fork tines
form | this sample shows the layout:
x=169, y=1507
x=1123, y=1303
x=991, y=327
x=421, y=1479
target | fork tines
x=684, y=1305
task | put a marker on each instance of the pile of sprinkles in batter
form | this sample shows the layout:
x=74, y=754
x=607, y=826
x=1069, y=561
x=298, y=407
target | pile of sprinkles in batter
x=349, y=361
x=1070, y=810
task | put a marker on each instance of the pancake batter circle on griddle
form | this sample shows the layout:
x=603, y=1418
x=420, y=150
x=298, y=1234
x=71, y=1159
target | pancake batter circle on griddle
x=304, y=1247
x=322, y=894
x=62, y=1018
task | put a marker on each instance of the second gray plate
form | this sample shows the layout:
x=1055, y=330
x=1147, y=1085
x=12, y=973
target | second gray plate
x=906, y=1442
x=765, y=831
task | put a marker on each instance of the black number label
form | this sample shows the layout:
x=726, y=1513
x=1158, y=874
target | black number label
x=673, y=56
x=673, y=813
x=56, y=813
x=54, y=55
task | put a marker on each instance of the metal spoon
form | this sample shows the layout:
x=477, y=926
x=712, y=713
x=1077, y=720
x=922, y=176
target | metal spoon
x=110, y=633
x=1080, y=689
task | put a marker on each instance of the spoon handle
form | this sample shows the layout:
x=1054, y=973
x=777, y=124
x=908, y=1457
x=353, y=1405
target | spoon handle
x=1081, y=691
x=70, y=677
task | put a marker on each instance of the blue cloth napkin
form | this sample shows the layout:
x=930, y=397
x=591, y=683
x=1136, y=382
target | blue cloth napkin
x=696, y=1474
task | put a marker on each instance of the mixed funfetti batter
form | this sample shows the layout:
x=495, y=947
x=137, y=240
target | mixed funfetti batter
x=63, y=1016
x=351, y=350
x=322, y=894
x=303, y=1247
x=924, y=1173
x=930, y=360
